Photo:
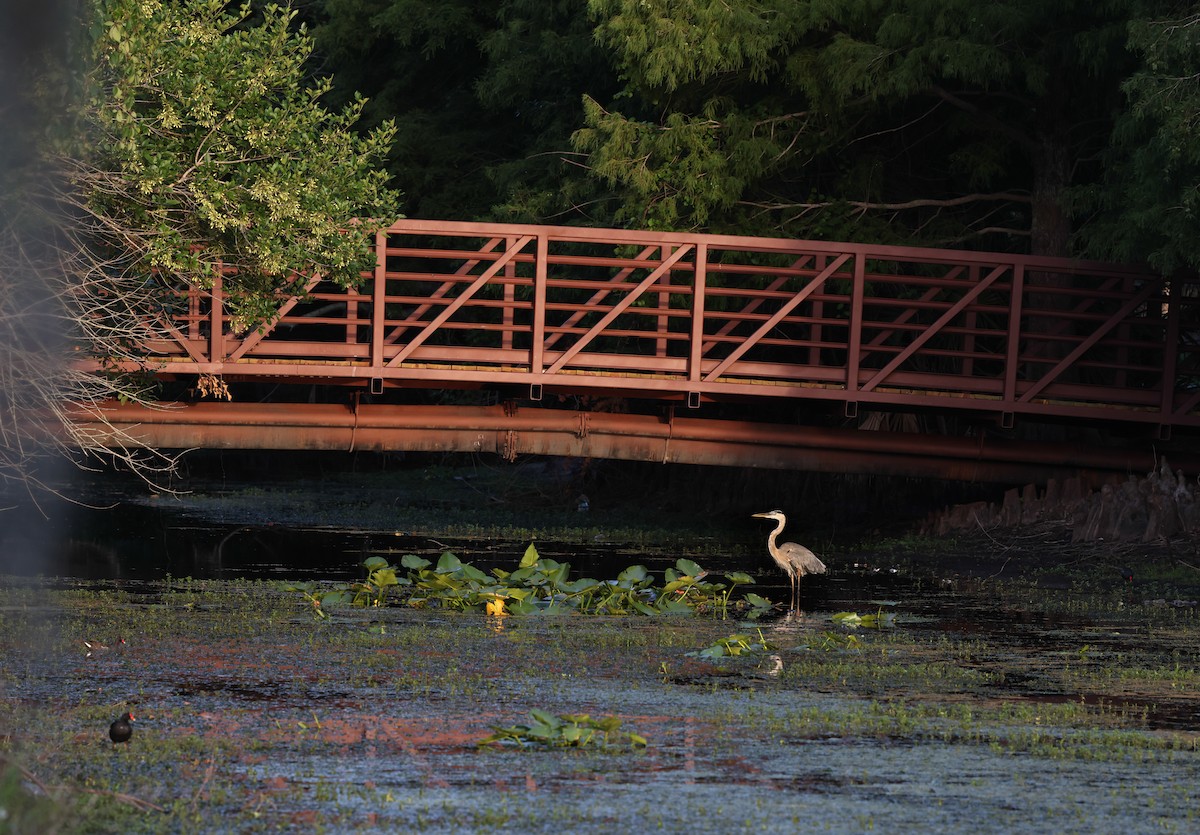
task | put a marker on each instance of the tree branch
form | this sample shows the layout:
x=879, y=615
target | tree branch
x=1008, y=130
x=962, y=200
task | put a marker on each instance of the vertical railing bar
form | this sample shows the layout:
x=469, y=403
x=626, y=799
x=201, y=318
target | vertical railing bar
x=664, y=303
x=1121, y=380
x=216, y=326
x=699, y=284
x=816, y=330
x=379, y=302
x=855, y=326
x=351, y=315
x=972, y=319
x=1170, y=350
x=540, y=278
x=193, y=296
x=1012, y=355
x=510, y=290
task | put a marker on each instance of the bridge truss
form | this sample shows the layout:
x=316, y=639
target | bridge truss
x=718, y=329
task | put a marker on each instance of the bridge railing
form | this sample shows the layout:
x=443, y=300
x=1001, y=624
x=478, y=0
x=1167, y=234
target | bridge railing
x=706, y=317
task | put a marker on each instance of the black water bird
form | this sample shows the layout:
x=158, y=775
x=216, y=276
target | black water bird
x=122, y=729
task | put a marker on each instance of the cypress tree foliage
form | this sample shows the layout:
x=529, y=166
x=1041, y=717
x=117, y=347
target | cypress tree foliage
x=487, y=93
x=1148, y=207
x=945, y=121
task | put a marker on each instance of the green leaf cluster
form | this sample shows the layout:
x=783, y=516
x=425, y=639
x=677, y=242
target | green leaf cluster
x=538, y=585
x=853, y=620
x=564, y=730
x=734, y=646
x=908, y=120
x=1147, y=208
x=202, y=151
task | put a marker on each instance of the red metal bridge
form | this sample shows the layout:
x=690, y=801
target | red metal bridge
x=702, y=348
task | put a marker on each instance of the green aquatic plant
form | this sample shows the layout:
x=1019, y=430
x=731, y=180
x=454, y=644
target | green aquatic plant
x=688, y=586
x=564, y=730
x=734, y=646
x=371, y=591
x=538, y=585
x=320, y=597
x=452, y=583
x=853, y=620
x=831, y=641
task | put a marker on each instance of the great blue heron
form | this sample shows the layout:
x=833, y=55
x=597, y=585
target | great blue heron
x=795, y=560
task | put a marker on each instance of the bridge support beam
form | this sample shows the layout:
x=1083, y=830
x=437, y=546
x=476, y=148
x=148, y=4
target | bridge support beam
x=510, y=432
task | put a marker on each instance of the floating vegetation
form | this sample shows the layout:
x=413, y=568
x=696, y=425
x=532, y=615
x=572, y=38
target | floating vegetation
x=828, y=641
x=538, y=585
x=564, y=730
x=853, y=620
x=734, y=646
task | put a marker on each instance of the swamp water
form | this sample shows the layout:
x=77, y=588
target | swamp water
x=993, y=701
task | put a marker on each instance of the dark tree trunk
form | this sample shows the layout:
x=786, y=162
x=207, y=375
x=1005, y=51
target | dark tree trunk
x=1051, y=225
x=1050, y=235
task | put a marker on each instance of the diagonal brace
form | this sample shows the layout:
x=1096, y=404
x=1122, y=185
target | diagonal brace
x=619, y=308
x=790, y=305
x=936, y=327
x=459, y=301
x=1093, y=338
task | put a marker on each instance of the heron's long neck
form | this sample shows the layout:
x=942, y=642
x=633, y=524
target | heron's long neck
x=771, y=540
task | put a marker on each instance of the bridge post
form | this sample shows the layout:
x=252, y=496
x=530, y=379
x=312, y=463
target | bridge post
x=378, y=303
x=696, y=344
x=537, y=361
x=216, y=322
x=854, y=327
x=1175, y=294
x=1012, y=354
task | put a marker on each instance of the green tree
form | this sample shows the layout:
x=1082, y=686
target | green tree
x=1148, y=207
x=946, y=121
x=199, y=144
x=486, y=92
x=191, y=143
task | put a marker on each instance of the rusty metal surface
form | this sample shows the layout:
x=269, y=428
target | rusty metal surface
x=509, y=432
x=706, y=318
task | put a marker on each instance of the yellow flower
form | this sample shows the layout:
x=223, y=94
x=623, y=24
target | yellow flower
x=496, y=607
